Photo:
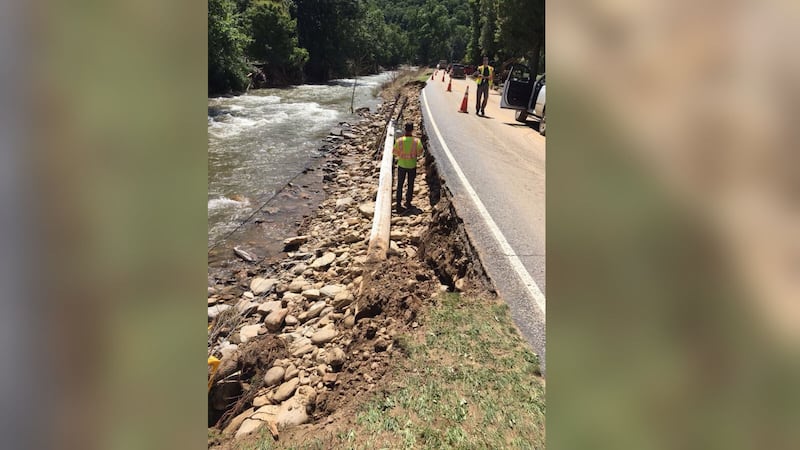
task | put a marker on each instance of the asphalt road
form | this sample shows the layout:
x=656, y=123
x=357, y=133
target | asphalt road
x=495, y=169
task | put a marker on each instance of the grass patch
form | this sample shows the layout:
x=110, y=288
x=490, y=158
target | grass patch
x=472, y=383
x=469, y=382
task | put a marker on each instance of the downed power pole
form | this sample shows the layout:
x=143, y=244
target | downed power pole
x=381, y=219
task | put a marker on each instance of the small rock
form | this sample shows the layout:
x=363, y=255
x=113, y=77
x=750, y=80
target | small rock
x=323, y=336
x=286, y=390
x=323, y=261
x=352, y=237
x=297, y=284
x=274, y=321
x=342, y=299
x=299, y=268
x=291, y=372
x=216, y=310
x=331, y=290
x=349, y=321
x=249, y=332
x=343, y=203
x=274, y=376
x=268, y=307
x=460, y=284
x=336, y=358
x=393, y=249
x=367, y=209
x=246, y=307
x=313, y=311
x=261, y=285
x=381, y=345
x=302, y=350
x=291, y=320
x=311, y=294
x=260, y=401
x=329, y=379
x=294, y=242
x=236, y=422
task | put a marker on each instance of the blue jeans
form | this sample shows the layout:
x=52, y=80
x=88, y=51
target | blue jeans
x=401, y=176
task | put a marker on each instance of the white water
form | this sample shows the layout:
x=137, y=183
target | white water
x=259, y=141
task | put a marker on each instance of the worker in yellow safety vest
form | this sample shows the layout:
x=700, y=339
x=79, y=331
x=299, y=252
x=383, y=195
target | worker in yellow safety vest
x=407, y=149
x=485, y=78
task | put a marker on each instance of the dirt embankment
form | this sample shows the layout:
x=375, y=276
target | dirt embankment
x=303, y=337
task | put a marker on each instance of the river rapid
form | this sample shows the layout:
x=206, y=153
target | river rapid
x=259, y=141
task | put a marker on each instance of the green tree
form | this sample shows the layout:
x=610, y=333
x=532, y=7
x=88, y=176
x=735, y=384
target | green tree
x=473, y=46
x=227, y=69
x=326, y=29
x=274, y=40
x=488, y=39
x=522, y=30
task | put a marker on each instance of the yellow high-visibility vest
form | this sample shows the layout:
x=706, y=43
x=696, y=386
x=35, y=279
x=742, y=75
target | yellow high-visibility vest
x=480, y=75
x=407, y=149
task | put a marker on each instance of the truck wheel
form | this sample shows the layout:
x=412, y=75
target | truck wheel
x=521, y=115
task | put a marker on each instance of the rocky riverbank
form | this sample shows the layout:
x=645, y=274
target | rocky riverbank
x=305, y=334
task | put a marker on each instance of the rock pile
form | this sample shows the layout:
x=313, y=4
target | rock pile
x=337, y=316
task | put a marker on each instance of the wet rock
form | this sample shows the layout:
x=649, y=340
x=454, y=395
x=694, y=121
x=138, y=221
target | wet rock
x=274, y=376
x=274, y=321
x=324, y=335
x=262, y=285
x=286, y=390
x=323, y=261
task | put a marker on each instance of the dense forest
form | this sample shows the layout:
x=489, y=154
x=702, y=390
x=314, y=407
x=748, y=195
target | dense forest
x=294, y=41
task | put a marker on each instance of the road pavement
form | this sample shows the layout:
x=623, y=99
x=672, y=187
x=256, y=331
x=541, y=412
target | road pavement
x=495, y=169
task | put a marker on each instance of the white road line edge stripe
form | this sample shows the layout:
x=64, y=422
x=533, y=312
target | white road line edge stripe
x=513, y=259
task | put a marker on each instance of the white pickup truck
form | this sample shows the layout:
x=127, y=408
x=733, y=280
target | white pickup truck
x=525, y=94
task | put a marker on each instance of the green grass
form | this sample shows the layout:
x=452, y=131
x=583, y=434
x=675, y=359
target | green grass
x=472, y=383
x=469, y=382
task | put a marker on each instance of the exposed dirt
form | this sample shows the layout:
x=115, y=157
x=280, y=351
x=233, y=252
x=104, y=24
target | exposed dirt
x=390, y=302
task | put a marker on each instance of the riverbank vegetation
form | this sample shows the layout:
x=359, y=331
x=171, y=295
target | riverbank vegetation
x=296, y=41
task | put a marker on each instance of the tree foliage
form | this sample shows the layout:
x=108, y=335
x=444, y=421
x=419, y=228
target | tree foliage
x=274, y=40
x=227, y=70
x=317, y=40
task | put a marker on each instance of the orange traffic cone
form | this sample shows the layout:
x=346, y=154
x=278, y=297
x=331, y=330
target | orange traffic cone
x=442, y=77
x=431, y=75
x=450, y=85
x=464, y=102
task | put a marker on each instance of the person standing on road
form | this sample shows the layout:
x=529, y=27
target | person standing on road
x=407, y=149
x=485, y=78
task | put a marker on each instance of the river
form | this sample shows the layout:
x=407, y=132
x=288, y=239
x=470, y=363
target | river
x=259, y=141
